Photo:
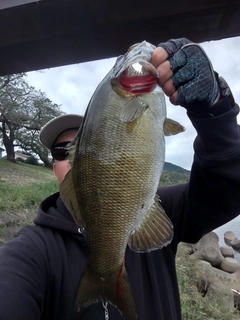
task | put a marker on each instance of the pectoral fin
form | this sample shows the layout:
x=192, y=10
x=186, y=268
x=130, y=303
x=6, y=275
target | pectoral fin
x=132, y=109
x=172, y=127
x=154, y=232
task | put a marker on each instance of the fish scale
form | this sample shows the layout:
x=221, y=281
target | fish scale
x=116, y=161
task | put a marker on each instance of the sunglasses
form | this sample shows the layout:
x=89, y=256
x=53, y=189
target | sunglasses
x=59, y=151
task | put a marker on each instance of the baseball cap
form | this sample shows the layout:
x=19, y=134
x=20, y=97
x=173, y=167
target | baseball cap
x=58, y=125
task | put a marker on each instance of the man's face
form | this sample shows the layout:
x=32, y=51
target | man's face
x=61, y=167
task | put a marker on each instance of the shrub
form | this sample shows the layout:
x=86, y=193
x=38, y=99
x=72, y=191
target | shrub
x=32, y=160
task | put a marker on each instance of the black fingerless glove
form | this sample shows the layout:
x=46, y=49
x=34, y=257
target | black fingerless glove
x=193, y=76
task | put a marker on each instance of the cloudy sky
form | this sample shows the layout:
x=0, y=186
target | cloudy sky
x=72, y=87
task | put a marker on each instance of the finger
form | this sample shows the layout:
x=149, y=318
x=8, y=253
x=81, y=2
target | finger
x=178, y=60
x=185, y=74
x=165, y=72
x=159, y=56
x=188, y=93
x=173, y=98
x=173, y=45
x=169, y=87
x=217, y=99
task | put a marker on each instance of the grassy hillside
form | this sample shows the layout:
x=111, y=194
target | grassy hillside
x=24, y=185
x=168, y=166
x=173, y=174
x=23, y=174
x=22, y=188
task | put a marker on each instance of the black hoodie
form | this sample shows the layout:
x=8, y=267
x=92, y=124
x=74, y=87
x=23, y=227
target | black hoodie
x=40, y=267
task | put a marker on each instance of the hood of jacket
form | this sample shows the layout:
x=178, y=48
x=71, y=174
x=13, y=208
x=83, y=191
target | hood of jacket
x=52, y=213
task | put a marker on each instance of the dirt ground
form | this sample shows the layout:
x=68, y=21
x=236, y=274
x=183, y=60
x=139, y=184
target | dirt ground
x=12, y=222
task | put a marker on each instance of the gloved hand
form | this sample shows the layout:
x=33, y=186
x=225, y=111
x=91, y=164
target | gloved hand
x=193, y=75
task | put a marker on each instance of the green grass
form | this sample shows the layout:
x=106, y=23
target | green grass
x=194, y=305
x=2, y=231
x=172, y=177
x=19, y=197
x=24, y=185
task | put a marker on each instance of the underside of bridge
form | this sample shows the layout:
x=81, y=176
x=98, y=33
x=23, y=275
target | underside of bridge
x=48, y=33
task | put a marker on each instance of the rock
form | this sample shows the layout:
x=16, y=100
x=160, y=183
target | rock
x=229, y=236
x=221, y=272
x=236, y=244
x=236, y=298
x=218, y=290
x=208, y=249
x=237, y=276
x=210, y=239
x=219, y=283
x=227, y=252
x=212, y=255
x=198, y=255
x=196, y=245
x=230, y=265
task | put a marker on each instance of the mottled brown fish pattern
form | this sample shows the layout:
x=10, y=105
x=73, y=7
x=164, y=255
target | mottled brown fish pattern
x=116, y=161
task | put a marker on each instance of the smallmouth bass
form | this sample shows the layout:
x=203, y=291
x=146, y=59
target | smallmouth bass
x=117, y=158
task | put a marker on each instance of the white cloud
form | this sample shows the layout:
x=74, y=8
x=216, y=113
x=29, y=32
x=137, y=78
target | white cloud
x=72, y=86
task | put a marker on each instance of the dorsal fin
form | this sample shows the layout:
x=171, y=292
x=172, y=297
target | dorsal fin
x=172, y=127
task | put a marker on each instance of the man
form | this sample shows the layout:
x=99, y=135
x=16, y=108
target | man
x=41, y=267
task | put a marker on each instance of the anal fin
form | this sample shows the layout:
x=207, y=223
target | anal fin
x=154, y=232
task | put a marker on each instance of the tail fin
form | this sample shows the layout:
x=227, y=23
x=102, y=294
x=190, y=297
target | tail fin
x=116, y=290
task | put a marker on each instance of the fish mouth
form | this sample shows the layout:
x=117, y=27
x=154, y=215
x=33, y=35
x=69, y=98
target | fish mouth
x=136, y=82
x=133, y=73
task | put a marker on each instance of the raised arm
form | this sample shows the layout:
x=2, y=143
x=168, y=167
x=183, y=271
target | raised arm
x=211, y=198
